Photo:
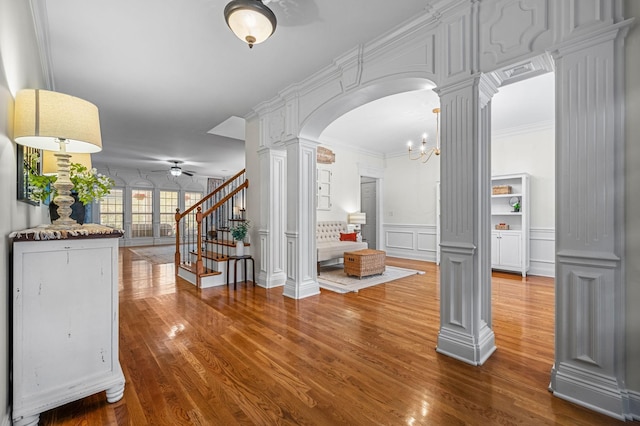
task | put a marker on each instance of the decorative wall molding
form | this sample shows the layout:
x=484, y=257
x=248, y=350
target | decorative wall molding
x=410, y=241
x=302, y=280
x=272, y=183
x=465, y=244
x=525, y=69
x=471, y=37
x=542, y=252
x=418, y=241
x=590, y=304
x=510, y=29
x=525, y=129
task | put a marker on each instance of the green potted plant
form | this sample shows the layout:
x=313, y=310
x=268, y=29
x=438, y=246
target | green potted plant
x=516, y=207
x=88, y=185
x=239, y=233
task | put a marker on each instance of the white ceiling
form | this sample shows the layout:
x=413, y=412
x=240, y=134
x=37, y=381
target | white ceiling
x=165, y=72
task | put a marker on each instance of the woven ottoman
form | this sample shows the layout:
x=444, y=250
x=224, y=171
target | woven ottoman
x=363, y=263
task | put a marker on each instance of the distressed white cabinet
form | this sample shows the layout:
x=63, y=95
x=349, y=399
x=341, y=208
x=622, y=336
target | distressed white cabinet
x=510, y=247
x=65, y=323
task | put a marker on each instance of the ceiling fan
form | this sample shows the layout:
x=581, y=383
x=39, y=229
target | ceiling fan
x=176, y=170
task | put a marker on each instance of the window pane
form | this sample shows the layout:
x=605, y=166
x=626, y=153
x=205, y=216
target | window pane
x=112, y=210
x=191, y=198
x=168, y=206
x=141, y=213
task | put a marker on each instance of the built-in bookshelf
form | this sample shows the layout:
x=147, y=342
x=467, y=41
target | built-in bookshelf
x=510, y=222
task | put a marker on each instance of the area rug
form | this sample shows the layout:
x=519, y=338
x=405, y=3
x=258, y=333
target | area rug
x=156, y=254
x=333, y=278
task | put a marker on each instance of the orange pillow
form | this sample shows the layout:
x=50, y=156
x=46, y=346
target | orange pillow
x=349, y=237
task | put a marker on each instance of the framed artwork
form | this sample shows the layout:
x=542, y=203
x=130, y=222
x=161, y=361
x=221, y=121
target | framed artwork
x=28, y=163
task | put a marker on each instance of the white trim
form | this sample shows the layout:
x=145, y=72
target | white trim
x=634, y=404
x=524, y=129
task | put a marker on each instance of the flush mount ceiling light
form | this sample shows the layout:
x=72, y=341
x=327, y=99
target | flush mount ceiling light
x=250, y=20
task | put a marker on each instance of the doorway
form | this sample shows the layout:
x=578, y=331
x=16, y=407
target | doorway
x=368, y=205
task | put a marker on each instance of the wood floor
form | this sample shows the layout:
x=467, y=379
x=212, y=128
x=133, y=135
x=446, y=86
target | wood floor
x=253, y=357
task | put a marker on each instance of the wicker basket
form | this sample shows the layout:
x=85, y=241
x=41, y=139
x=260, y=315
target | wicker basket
x=502, y=226
x=363, y=263
x=501, y=189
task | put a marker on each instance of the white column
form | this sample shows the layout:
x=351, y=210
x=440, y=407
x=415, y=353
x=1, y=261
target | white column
x=465, y=268
x=272, y=217
x=302, y=280
x=590, y=359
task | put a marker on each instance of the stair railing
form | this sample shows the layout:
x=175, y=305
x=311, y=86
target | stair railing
x=207, y=222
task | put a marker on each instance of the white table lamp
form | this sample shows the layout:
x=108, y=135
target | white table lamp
x=62, y=123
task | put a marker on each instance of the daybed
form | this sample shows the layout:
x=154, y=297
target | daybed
x=328, y=241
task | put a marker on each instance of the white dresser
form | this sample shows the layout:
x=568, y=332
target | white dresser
x=65, y=319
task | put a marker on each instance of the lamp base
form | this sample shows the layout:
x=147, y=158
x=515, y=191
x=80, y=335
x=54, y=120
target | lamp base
x=64, y=225
x=63, y=199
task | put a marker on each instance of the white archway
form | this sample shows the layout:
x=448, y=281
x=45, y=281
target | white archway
x=453, y=46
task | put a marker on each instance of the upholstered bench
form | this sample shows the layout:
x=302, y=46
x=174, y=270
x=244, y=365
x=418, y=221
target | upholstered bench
x=328, y=243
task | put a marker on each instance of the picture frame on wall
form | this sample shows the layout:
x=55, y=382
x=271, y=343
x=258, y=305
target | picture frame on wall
x=28, y=163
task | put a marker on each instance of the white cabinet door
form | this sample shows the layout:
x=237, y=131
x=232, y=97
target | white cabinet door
x=510, y=253
x=495, y=249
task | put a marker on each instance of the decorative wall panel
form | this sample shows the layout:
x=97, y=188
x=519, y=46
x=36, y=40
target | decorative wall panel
x=399, y=240
x=456, y=49
x=585, y=291
x=588, y=163
x=509, y=29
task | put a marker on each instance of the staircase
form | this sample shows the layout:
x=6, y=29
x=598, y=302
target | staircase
x=203, y=237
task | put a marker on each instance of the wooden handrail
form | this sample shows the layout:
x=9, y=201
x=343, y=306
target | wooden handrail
x=211, y=209
x=215, y=191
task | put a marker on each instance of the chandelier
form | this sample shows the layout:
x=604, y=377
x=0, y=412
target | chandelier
x=426, y=152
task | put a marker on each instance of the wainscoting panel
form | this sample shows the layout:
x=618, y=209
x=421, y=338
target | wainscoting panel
x=418, y=242
x=410, y=241
x=542, y=252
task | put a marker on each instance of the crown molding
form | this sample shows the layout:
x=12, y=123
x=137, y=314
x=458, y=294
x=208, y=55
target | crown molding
x=524, y=129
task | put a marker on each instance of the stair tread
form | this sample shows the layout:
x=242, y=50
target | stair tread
x=191, y=267
x=212, y=255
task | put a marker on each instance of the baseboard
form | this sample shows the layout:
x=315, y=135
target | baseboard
x=413, y=255
x=542, y=268
x=596, y=391
x=634, y=404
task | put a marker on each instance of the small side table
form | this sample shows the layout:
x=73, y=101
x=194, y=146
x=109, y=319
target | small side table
x=235, y=260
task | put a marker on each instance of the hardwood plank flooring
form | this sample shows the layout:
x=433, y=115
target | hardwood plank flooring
x=254, y=357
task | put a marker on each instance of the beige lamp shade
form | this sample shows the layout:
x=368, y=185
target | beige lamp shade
x=50, y=162
x=42, y=118
x=357, y=218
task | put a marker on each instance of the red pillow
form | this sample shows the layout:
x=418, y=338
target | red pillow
x=349, y=237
